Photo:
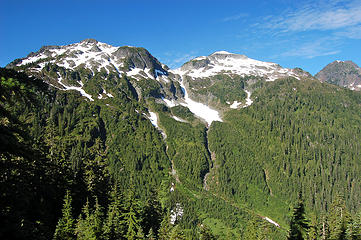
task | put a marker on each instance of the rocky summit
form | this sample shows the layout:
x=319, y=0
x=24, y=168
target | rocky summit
x=342, y=73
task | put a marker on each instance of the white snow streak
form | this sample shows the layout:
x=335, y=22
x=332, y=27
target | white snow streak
x=248, y=99
x=179, y=119
x=271, y=221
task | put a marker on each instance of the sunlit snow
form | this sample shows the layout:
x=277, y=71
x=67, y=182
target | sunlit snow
x=229, y=63
x=199, y=109
x=176, y=213
x=169, y=103
x=271, y=221
x=153, y=118
x=249, y=101
x=178, y=119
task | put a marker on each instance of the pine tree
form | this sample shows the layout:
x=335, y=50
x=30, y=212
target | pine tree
x=98, y=219
x=65, y=228
x=152, y=214
x=165, y=228
x=338, y=219
x=132, y=214
x=299, y=225
x=151, y=235
x=140, y=234
x=313, y=230
x=114, y=223
x=206, y=234
x=353, y=231
x=85, y=226
x=177, y=233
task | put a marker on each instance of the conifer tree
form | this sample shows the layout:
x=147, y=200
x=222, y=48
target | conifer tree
x=114, y=223
x=65, y=228
x=140, y=234
x=299, y=225
x=151, y=235
x=165, y=228
x=98, y=219
x=353, y=231
x=177, y=233
x=132, y=214
x=85, y=226
x=338, y=219
x=152, y=214
x=206, y=234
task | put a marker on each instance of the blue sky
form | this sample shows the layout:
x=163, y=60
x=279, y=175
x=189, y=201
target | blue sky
x=306, y=34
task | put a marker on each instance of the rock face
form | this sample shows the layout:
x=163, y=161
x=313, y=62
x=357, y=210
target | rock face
x=342, y=73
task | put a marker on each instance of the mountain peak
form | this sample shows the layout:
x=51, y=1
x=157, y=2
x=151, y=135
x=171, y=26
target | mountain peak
x=89, y=40
x=230, y=63
x=342, y=73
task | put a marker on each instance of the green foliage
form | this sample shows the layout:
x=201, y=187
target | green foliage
x=187, y=147
x=65, y=228
x=206, y=233
x=183, y=113
x=338, y=219
x=299, y=225
x=295, y=132
x=353, y=231
x=224, y=88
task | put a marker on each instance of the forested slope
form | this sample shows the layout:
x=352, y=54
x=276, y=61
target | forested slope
x=296, y=136
x=79, y=169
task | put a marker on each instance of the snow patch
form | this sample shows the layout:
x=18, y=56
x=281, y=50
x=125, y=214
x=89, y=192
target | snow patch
x=169, y=103
x=176, y=214
x=153, y=118
x=134, y=71
x=271, y=221
x=32, y=59
x=159, y=73
x=199, y=109
x=79, y=89
x=171, y=188
x=222, y=52
x=179, y=119
x=248, y=99
x=235, y=105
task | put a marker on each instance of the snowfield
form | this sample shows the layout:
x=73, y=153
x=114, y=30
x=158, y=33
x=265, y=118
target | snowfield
x=199, y=109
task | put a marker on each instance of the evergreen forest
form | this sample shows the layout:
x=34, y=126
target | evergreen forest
x=286, y=167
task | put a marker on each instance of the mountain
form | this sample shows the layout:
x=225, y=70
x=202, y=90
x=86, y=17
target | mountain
x=222, y=146
x=207, y=85
x=342, y=73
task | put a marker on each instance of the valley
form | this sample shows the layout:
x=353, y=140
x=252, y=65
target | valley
x=224, y=146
